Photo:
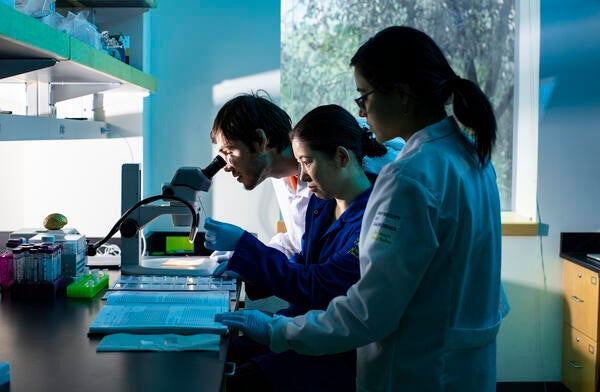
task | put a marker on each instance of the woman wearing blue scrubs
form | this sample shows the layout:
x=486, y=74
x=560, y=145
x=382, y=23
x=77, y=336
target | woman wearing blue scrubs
x=425, y=312
x=329, y=146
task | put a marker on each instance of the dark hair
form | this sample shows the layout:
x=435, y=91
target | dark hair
x=403, y=55
x=241, y=116
x=327, y=127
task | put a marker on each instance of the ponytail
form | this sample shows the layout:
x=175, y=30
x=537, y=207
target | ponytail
x=402, y=55
x=370, y=146
x=473, y=109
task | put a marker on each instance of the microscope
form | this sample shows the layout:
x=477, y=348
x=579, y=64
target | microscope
x=182, y=195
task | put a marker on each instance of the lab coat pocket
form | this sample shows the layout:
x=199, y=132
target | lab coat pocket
x=467, y=338
x=470, y=360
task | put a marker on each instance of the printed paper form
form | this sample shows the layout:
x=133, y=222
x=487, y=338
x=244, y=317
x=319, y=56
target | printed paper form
x=162, y=312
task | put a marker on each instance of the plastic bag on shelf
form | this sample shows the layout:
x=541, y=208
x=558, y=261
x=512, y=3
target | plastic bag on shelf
x=35, y=8
x=10, y=3
x=78, y=26
x=54, y=19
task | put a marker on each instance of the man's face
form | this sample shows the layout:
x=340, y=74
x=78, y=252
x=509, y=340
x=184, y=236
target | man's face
x=244, y=163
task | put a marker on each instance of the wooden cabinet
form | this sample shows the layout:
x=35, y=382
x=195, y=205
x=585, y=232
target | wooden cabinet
x=579, y=365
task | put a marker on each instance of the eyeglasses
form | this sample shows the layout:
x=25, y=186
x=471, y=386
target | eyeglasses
x=360, y=101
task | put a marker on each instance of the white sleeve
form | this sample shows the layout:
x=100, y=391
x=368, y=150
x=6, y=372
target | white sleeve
x=397, y=244
x=292, y=204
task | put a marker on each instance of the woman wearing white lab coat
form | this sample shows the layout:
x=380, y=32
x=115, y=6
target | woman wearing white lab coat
x=425, y=313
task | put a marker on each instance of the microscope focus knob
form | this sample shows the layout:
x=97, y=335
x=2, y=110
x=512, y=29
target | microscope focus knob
x=128, y=228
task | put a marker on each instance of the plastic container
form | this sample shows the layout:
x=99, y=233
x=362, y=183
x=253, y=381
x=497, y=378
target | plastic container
x=18, y=258
x=38, y=291
x=88, y=285
x=73, y=253
x=7, y=271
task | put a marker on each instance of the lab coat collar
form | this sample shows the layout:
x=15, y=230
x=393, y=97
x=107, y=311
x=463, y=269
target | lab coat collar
x=353, y=213
x=431, y=132
x=301, y=187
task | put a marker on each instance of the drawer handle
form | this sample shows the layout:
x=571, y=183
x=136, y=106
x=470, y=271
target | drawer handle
x=574, y=364
x=576, y=299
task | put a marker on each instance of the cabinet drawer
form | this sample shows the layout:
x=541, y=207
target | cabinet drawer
x=581, y=299
x=578, y=361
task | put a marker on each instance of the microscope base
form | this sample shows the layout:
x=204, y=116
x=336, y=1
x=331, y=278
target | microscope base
x=172, y=266
x=140, y=270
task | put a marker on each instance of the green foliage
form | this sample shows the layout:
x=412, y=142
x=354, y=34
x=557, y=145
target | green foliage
x=478, y=36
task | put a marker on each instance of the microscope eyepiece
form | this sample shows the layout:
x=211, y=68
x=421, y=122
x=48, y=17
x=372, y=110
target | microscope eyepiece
x=214, y=166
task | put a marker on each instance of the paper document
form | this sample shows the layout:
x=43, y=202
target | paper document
x=594, y=256
x=162, y=312
x=164, y=342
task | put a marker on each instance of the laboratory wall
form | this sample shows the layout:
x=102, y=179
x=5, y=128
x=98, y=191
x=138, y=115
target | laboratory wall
x=194, y=47
x=568, y=189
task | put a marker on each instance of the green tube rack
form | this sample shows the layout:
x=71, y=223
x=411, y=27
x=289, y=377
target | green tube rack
x=87, y=286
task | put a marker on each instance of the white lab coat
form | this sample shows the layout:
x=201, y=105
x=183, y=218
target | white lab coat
x=425, y=313
x=293, y=202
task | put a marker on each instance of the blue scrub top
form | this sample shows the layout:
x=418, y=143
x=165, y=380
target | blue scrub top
x=326, y=266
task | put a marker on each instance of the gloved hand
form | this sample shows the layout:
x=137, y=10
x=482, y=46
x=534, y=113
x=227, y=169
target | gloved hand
x=221, y=235
x=253, y=323
x=222, y=270
x=221, y=255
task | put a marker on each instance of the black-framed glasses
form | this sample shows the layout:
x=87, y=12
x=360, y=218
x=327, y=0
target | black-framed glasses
x=360, y=101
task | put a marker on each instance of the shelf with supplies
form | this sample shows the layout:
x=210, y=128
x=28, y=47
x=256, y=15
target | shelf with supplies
x=38, y=52
x=107, y=3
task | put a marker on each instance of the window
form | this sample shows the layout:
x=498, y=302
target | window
x=493, y=43
x=78, y=176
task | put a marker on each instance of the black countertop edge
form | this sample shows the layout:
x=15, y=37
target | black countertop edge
x=582, y=260
x=582, y=243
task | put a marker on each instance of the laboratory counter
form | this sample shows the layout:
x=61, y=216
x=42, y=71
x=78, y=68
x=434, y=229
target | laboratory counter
x=576, y=246
x=48, y=349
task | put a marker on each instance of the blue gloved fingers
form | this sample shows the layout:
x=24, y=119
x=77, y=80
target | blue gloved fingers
x=220, y=269
x=221, y=255
x=227, y=316
x=253, y=323
x=220, y=235
x=210, y=224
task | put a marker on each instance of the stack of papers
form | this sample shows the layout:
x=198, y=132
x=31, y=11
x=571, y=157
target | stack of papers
x=165, y=342
x=150, y=312
x=594, y=256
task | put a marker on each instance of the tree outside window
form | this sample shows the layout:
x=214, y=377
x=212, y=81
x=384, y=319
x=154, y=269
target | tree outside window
x=478, y=37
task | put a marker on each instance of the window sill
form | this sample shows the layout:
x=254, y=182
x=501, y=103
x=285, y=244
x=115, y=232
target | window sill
x=517, y=225
x=512, y=225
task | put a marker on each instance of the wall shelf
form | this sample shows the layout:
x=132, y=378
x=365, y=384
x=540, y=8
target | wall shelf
x=42, y=128
x=107, y=3
x=25, y=38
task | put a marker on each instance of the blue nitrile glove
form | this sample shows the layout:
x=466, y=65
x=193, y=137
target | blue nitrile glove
x=253, y=323
x=221, y=255
x=221, y=235
x=222, y=270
